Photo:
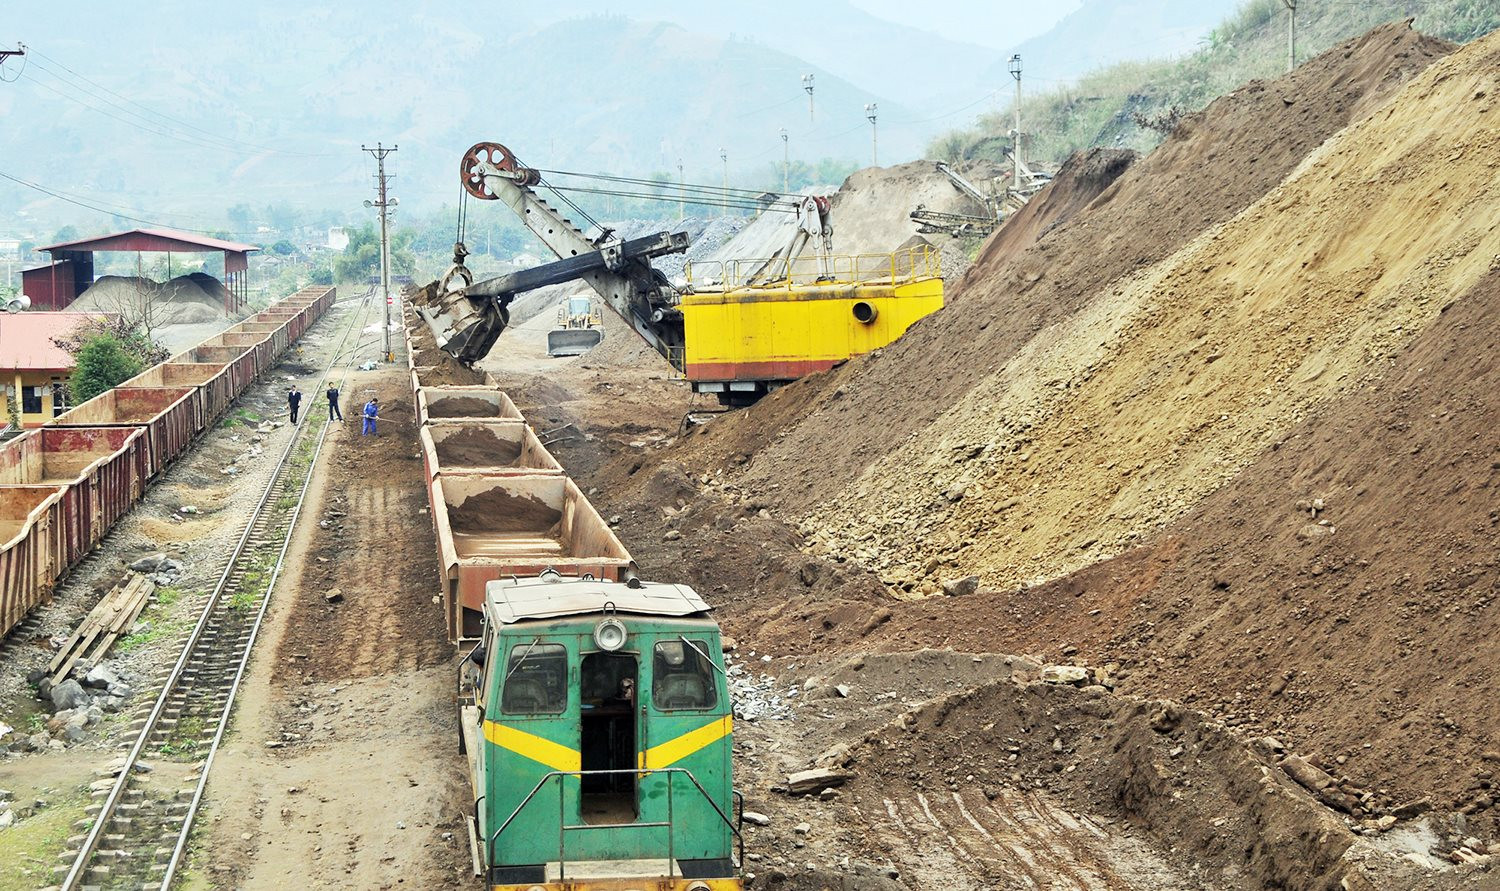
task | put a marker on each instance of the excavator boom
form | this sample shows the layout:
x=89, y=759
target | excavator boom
x=467, y=318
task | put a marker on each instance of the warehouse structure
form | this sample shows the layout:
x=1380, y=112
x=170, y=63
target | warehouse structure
x=71, y=269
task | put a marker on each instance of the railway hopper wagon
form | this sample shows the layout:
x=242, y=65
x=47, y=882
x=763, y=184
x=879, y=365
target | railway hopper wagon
x=214, y=383
x=596, y=721
x=101, y=472
x=32, y=545
x=441, y=405
x=171, y=416
x=491, y=527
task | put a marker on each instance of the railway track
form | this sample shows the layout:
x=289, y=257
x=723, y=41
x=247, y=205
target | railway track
x=146, y=802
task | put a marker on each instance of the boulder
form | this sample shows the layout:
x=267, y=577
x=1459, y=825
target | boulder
x=807, y=782
x=961, y=587
x=69, y=694
x=101, y=677
x=151, y=563
x=1065, y=674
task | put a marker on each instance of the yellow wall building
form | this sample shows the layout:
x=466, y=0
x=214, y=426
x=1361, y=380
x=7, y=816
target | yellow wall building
x=33, y=368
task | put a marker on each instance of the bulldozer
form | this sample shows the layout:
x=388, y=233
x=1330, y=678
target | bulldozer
x=580, y=327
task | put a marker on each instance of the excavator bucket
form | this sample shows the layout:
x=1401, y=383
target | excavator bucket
x=573, y=341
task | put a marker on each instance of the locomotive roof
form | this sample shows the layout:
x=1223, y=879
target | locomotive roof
x=550, y=596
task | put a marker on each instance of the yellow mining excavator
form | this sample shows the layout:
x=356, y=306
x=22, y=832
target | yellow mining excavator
x=736, y=329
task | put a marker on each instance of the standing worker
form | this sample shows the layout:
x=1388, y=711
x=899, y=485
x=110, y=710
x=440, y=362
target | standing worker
x=372, y=414
x=333, y=403
x=293, y=399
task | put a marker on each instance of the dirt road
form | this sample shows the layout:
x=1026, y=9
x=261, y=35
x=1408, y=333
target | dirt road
x=342, y=770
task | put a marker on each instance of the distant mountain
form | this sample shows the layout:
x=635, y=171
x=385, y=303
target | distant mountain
x=903, y=60
x=1101, y=32
x=270, y=108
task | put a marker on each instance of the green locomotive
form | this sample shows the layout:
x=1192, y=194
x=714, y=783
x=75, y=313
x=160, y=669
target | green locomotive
x=597, y=724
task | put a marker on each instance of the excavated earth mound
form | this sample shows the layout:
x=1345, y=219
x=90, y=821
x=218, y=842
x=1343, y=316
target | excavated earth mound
x=1082, y=178
x=1217, y=164
x=1340, y=593
x=1119, y=419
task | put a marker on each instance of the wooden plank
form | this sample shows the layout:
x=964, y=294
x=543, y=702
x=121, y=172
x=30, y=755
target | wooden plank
x=123, y=599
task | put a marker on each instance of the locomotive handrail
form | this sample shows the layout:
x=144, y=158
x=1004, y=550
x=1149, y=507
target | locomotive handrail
x=564, y=827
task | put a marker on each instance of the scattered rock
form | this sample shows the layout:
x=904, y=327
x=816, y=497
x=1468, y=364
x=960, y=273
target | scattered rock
x=807, y=782
x=1411, y=809
x=802, y=828
x=1307, y=776
x=755, y=818
x=333, y=595
x=69, y=695
x=1064, y=674
x=1167, y=716
x=961, y=587
x=101, y=677
x=150, y=563
x=673, y=535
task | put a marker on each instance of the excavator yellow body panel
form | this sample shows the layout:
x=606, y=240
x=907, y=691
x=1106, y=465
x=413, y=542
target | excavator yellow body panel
x=781, y=332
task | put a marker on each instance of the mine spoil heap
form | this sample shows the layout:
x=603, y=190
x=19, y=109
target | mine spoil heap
x=1223, y=416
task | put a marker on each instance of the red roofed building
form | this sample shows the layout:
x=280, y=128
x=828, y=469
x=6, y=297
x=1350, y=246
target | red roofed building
x=71, y=271
x=33, y=367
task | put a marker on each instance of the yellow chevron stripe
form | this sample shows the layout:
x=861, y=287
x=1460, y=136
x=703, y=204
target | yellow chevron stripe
x=674, y=750
x=528, y=745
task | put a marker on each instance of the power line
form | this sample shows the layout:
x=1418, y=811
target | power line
x=153, y=223
x=208, y=139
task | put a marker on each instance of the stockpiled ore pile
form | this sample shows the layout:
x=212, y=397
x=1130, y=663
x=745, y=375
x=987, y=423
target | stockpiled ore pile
x=1228, y=425
x=1122, y=416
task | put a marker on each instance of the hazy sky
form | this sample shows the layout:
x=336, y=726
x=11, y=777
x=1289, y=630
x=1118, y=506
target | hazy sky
x=999, y=24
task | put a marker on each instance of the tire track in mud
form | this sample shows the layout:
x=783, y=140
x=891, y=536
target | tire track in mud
x=1017, y=841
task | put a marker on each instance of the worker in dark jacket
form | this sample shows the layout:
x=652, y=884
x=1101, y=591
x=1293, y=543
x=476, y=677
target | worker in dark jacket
x=333, y=403
x=293, y=400
x=372, y=414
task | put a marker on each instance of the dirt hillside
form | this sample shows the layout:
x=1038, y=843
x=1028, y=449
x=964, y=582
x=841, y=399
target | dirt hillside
x=1339, y=593
x=1082, y=178
x=1217, y=164
x=1121, y=418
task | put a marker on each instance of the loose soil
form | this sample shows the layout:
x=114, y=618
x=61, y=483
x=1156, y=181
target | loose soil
x=477, y=447
x=497, y=510
x=349, y=700
x=460, y=407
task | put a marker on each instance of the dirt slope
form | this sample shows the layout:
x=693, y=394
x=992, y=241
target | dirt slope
x=1082, y=178
x=1121, y=418
x=1219, y=162
x=1380, y=627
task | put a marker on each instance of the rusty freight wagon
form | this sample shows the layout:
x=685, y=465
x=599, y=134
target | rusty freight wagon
x=102, y=472
x=214, y=383
x=437, y=405
x=239, y=361
x=496, y=527
x=170, y=415
x=488, y=448
x=31, y=548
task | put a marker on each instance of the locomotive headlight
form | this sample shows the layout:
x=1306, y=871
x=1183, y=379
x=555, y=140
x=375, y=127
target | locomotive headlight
x=609, y=634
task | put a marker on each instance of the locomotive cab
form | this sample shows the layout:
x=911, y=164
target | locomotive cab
x=599, y=738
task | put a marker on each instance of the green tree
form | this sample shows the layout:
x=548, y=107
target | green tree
x=65, y=234
x=361, y=259
x=283, y=248
x=101, y=363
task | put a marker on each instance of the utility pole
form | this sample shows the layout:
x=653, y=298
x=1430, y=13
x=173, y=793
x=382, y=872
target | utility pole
x=20, y=50
x=681, y=193
x=786, y=163
x=380, y=151
x=1291, y=34
x=871, y=109
x=724, y=156
x=1015, y=71
x=807, y=84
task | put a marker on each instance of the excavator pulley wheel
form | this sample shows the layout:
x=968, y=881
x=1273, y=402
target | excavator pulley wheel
x=501, y=157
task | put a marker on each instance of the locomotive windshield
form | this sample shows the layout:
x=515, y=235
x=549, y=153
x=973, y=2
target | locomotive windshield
x=682, y=678
x=536, y=680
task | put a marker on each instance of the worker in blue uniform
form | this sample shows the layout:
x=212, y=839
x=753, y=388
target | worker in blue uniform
x=372, y=414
